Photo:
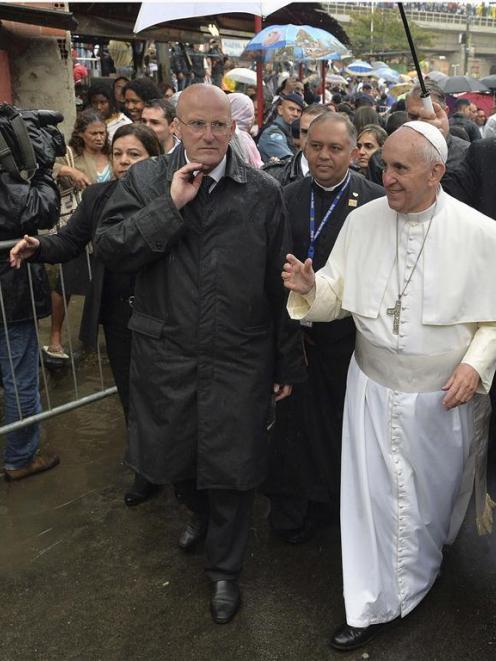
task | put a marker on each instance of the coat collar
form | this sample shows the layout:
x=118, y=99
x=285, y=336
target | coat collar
x=235, y=168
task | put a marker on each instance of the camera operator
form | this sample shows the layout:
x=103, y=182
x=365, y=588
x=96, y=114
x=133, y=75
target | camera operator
x=29, y=201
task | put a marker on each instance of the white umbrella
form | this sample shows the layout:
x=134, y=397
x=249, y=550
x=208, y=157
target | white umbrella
x=359, y=68
x=242, y=75
x=152, y=13
x=336, y=79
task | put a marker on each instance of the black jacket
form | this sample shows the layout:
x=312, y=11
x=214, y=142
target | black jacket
x=470, y=127
x=457, y=148
x=285, y=171
x=70, y=242
x=210, y=329
x=25, y=209
x=473, y=179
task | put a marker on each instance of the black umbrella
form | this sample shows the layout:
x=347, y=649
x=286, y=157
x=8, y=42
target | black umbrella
x=424, y=94
x=489, y=81
x=459, y=84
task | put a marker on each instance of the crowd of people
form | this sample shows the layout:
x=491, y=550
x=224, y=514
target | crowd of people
x=372, y=379
x=459, y=8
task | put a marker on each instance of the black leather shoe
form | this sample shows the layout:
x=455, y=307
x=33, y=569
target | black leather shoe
x=225, y=601
x=349, y=638
x=298, y=535
x=194, y=532
x=141, y=490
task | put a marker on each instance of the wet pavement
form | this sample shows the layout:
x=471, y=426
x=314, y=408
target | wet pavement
x=84, y=577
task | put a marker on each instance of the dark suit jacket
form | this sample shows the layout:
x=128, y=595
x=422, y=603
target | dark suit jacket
x=473, y=181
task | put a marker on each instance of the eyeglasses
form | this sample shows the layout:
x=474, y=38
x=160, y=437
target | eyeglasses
x=199, y=127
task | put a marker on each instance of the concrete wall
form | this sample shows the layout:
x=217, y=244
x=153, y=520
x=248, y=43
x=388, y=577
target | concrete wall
x=42, y=79
x=40, y=67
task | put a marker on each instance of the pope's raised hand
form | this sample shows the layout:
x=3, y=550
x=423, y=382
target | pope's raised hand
x=298, y=276
x=184, y=185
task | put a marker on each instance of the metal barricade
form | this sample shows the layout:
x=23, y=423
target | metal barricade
x=78, y=400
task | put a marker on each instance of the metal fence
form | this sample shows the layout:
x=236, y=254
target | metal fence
x=338, y=9
x=77, y=400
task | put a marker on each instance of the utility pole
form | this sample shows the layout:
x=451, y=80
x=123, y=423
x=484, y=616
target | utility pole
x=466, y=52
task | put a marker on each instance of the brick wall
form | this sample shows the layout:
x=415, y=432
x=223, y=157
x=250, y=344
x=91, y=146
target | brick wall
x=5, y=84
x=35, y=31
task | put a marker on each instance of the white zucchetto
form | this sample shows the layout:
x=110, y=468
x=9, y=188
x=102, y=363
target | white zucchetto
x=432, y=134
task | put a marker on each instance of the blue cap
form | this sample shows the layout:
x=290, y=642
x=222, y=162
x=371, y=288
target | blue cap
x=295, y=98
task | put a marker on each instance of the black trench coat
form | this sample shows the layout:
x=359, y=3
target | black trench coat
x=210, y=329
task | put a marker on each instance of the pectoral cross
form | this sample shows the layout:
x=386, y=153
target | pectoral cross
x=395, y=313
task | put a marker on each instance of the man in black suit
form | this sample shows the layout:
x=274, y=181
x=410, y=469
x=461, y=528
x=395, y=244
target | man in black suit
x=212, y=349
x=306, y=445
x=463, y=117
x=472, y=181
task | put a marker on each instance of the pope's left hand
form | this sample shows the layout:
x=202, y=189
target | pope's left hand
x=282, y=391
x=461, y=386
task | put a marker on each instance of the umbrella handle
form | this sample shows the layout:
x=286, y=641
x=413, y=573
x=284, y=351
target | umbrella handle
x=427, y=103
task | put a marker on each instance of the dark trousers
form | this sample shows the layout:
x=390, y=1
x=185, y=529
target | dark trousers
x=227, y=513
x=305, y=464
x=118, y=342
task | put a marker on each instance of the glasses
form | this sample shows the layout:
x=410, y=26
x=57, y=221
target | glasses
x=199, y=127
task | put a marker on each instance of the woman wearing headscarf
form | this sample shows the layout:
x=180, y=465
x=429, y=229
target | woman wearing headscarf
x=243, y=113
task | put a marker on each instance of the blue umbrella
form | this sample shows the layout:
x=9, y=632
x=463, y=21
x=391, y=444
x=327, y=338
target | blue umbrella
x=294, y=42
x=359, y=66
x=388, y=74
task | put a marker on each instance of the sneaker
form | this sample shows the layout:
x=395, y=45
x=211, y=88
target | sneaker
x=41, y=462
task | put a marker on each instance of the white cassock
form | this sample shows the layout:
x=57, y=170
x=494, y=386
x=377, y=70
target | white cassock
x=408, y=465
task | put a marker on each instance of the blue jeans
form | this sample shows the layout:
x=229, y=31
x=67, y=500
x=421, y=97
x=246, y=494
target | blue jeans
x=21, y=445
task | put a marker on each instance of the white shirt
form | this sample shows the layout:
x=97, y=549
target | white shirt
x=304, y=165
x=176, y=142
x=490, y=127
x=216, y=174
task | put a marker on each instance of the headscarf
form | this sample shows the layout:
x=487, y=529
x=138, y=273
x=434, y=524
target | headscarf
x=243, y=113
x=242, y=110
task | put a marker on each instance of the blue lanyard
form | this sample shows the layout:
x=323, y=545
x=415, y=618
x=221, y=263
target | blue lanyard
x=314, y=235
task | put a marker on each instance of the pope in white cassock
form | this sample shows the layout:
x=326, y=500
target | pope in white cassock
x=416, y=269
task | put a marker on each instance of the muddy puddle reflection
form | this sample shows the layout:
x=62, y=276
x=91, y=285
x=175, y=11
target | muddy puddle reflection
x=37, y=513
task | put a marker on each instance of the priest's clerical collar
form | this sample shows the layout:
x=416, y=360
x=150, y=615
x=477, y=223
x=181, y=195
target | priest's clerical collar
x=419, y=216
x=217, y=173
x=331, y=188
